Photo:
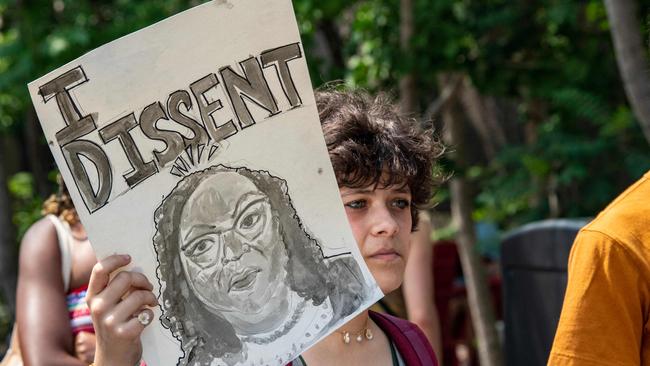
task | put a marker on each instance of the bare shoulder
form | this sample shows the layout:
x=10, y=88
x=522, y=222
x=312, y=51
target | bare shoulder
x=39, y=246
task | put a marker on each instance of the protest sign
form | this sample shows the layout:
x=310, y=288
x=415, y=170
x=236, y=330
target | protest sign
x=194, y=146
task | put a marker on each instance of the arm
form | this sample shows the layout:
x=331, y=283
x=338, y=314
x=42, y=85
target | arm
x=602, y=316
x=42, y=315
x=418, y=285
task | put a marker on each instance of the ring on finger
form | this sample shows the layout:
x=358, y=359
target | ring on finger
x=144, y=318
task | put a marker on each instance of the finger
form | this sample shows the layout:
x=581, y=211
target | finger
x=145, y=317
x=102, y=271
x=131, y=305
x=132, y=328
x=122, y=283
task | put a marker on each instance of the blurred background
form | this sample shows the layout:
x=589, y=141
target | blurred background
x=527, y=94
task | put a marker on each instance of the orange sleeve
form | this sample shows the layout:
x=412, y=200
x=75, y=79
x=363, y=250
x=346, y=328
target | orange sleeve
x=602, y=317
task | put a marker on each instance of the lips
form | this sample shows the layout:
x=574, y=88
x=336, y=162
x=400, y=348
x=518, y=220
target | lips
x=244, y=279
x=386, y=254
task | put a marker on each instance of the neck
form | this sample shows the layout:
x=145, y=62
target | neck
x=356, y=325
x=334, y=348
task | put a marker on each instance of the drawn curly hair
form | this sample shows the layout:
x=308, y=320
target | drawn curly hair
x=205, y=337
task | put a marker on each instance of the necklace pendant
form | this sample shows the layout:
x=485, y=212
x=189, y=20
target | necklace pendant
x=369, y=335
x=346, y=338
x=359, y=338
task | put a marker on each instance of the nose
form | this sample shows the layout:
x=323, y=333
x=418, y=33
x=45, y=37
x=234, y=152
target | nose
x=233, y=248
x=383, y=222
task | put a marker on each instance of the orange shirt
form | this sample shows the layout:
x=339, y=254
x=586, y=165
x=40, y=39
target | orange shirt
x=606, y=311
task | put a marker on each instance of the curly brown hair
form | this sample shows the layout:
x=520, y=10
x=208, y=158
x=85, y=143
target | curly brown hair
x=60, y=204
x=371, y=143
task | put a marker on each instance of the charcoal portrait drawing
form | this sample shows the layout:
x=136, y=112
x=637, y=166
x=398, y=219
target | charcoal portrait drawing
x=239, y=271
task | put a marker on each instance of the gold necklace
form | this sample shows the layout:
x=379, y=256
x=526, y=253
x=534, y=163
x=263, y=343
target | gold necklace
x=362, y=333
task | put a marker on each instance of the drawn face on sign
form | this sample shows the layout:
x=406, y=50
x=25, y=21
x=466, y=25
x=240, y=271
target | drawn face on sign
x=237, y=268
x=230, y=247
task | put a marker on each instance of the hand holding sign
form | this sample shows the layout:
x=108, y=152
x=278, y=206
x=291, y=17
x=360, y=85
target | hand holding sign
x=115, y=305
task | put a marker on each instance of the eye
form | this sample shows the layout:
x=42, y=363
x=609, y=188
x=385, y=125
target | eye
x=249, y=220
x=252, y=221
x=356, y=204
x=401, y=203
x=200, y=247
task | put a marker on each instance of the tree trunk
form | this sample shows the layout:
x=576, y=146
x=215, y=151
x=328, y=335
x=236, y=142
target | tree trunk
x=478, y=295
x=483, y=119
x=334, y=42
x=8, y=247
x=407, y=87
x=630, y=56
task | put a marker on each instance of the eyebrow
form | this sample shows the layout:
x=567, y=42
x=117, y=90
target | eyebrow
x=246, y=200
x=403, y=189
x=251, y=204
x=195, y=227
x=357, y=191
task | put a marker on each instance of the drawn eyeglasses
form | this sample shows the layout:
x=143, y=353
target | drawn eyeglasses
x=227, y=241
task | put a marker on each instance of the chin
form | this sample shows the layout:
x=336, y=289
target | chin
x=389, y=275
x=389, y=282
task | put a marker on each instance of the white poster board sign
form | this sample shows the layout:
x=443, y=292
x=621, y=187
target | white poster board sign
x=194, y=146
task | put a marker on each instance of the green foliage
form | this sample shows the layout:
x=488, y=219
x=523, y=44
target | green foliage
x=27, y=203
x=575, y=141
x=552, y=59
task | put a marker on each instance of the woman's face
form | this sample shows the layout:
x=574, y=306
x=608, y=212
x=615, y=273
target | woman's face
x=381, y=223
x=230, y=247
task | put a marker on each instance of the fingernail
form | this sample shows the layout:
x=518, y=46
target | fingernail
x=126, y=257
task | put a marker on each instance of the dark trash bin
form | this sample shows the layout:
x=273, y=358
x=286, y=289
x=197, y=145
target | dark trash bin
x=534, y=264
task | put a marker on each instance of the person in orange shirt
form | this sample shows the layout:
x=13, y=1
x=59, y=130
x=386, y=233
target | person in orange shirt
x=606, y=313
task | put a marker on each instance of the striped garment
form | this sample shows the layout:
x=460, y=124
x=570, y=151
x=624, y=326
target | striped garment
x=80, y=320
x=78, y=311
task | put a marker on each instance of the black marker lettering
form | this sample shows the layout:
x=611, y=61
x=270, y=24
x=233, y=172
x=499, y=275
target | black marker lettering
x=173, y=140
x=120, y=130
x=59, y=88
x=199, y=88
x=174, y=102
x=279, y=58
x=71, y=153
x=253, y=86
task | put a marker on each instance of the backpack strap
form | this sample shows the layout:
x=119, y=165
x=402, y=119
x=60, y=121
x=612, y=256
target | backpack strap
x=64, y=236
x=411, y=343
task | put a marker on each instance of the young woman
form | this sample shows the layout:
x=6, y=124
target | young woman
x=56, y=259
x=383, y=164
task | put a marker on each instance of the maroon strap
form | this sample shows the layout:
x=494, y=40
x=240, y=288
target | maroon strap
x=411, y=343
